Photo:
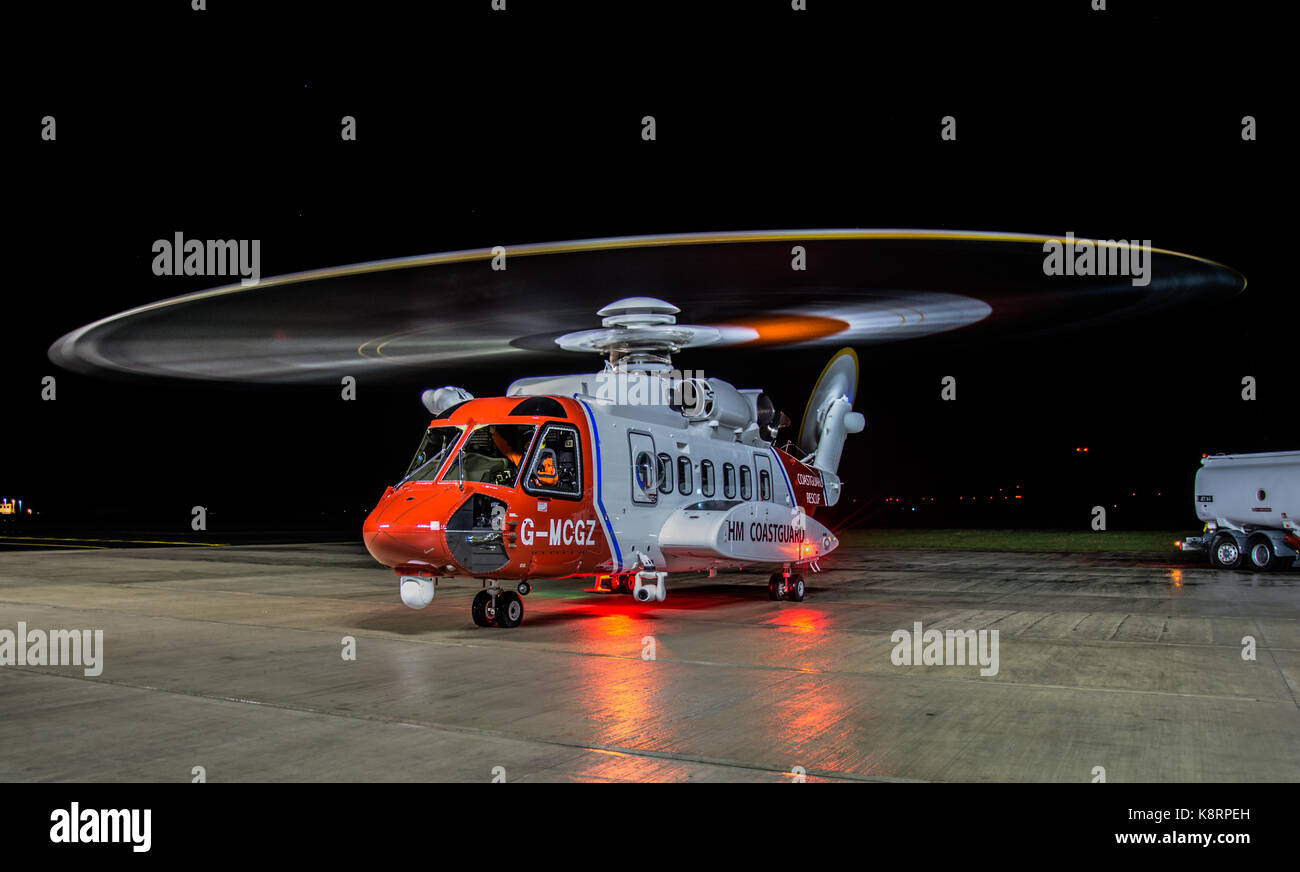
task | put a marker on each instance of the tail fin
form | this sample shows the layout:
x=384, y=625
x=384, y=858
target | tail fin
x=829, y=417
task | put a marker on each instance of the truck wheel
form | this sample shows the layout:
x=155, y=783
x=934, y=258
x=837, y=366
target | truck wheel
x=1260, y=551
x=1225, y=553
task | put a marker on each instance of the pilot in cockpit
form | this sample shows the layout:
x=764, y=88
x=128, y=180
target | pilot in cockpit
x=503, y=445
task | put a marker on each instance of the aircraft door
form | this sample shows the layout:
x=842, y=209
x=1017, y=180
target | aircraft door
x=645, y=468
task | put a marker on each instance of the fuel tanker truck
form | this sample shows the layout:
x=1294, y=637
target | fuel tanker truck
x=1250, y=504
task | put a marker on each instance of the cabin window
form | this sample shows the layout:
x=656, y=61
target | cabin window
x=665, y=473
x=685, y=480
x=706, y=478
x=729, y=481
x=746, y=483
x=556, y=469
x=764, y=485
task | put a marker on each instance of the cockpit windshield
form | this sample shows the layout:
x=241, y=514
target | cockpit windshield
x=492, y=454
x=433, y=450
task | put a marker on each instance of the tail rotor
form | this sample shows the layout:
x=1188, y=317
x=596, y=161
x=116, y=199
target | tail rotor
x=829, y=417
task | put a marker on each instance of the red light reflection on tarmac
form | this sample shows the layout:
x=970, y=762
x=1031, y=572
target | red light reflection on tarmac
x=816, y=717
x=797, y=714
x=804, y=633
x=622, y=701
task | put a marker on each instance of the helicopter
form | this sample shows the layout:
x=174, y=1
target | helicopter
x=625, y=475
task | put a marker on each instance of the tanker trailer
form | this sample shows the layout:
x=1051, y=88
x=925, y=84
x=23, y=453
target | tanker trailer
x=1250, y=504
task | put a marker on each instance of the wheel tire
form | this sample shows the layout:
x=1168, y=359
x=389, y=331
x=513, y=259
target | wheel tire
x=776, y=586
x=510, y=609
x=1260, y=553
x=1225, y=553
x=479, y=608
x=797, y=589
x=524, y=588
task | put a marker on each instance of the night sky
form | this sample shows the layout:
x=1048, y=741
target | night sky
x=529, y=130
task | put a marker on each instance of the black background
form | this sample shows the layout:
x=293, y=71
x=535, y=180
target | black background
x=310, y=824
x=479, y=128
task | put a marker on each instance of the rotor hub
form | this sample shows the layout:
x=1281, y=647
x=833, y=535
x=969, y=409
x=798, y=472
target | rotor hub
x=640, y=332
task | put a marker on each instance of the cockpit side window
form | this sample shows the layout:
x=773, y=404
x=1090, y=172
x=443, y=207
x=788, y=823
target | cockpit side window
x=492, y=454
x=556, y=467
x=433, y=450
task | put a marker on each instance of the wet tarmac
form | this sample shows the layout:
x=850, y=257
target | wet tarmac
x=231, y=659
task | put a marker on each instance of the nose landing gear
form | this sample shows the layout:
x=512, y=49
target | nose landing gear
x=505, y=608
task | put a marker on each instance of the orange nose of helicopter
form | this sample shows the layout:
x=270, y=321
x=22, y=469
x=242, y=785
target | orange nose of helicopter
x=403, y=530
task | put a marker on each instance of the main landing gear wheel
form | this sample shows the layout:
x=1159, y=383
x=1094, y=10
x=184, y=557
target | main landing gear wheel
x=510, y=609
x=483, y=609
x=781, y=588
x=776, y=586
x=1225, y=553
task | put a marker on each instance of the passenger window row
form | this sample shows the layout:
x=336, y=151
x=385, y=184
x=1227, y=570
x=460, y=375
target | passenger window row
x=708, y=480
